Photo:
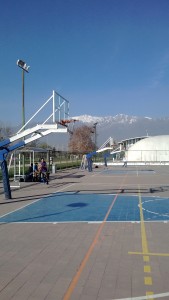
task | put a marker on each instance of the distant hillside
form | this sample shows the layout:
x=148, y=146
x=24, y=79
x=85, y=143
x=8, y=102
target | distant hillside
x=118, y=127
x=123, y=126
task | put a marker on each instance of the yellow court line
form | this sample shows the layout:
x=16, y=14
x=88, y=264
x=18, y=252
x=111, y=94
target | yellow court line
x=145, y=251
x=150, y=295
x=146, y=258
x=149, y=253
x=143, y=229
x=147, y=269
x=148, y=280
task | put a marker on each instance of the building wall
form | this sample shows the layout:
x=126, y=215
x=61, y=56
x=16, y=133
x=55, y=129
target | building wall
x=152, y=149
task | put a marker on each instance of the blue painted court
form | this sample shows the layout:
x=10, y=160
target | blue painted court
x=77, y=207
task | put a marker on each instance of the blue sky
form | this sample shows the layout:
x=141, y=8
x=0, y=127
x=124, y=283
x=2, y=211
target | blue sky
x=105, y=56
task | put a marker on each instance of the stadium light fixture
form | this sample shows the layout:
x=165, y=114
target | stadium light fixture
x=22, y=65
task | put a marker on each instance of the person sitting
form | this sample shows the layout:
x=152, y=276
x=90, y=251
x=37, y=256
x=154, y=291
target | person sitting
x=29, y=173
x=35, y=172
x=43, y=170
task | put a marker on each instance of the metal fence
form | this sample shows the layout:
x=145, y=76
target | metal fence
x=148, y=155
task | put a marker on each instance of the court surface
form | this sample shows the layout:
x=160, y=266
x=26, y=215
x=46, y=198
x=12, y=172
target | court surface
x=71, y=207
x=87, y=236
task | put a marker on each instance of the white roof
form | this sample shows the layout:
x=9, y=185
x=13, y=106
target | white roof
x=160, y=142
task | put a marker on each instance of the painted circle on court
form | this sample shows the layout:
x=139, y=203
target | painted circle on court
x=158, y=207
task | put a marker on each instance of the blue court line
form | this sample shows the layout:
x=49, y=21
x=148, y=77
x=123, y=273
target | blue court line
x=68, y=207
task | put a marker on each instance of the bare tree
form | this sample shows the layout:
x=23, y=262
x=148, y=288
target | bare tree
x=81, y=140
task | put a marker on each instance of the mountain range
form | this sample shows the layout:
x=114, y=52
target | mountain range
x=118, y=127
x=122, y=126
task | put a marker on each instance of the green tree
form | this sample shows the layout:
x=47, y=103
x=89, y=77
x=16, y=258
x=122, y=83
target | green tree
x=44, y=145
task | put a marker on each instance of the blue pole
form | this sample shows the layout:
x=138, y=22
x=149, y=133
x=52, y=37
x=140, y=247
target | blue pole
x=5, y=176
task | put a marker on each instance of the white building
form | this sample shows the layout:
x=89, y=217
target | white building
x=149, y=149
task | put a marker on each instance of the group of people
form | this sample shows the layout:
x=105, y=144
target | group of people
x=87, y=162
x=38, y=172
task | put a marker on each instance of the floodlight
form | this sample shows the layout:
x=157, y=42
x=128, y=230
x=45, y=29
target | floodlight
x=22, y=65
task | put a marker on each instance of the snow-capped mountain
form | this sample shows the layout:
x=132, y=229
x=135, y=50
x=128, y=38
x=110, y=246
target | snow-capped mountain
x=119, y=127
x=120, y=118
x=123, y=126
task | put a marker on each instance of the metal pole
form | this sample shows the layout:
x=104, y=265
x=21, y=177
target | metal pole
x=95, y=138
x=54, y=119
x=23, y=100
x=5, y=177
x=23, y=116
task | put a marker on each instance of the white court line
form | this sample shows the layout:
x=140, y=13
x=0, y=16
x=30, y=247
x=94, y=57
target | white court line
x=153, y=212
x=87, y=222
x=95, y=222
x=34, y=202
x=163, y=295
x=50, y=222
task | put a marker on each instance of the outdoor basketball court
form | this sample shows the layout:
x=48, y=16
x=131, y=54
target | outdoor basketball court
x=88, y=236
x=78, y=207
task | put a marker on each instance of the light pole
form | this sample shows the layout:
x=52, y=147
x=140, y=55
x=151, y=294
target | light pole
x=21, y=64
x=95, y=135
x=24, y=68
